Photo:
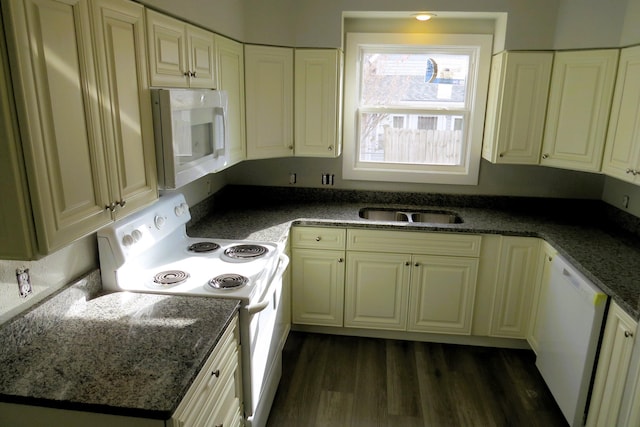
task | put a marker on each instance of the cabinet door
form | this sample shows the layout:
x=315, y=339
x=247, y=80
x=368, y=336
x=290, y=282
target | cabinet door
x=17, y=236
x=201, y=48
x=50, y=48
x=442, y=294
x=317, y=287
x=611, y=371
x=579, y=104
x=318, y=82
x=512, y=298
x=622, y=150
x=516, y=107
x=124, y=96
x=545, y=259
x=269, y=101
x=376, y=290
x=230, y=64
x=168, y=65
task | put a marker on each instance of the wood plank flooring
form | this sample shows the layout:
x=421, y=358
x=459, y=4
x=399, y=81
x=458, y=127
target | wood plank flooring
x=338, y=381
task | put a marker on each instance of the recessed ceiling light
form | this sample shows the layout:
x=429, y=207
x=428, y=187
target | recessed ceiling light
x=423, y=16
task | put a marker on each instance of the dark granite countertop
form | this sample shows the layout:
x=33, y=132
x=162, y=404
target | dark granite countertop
x=598, y=240
x=119, y=353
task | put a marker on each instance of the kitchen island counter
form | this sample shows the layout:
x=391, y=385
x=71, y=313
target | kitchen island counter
x=120, y=353
x=588, y=233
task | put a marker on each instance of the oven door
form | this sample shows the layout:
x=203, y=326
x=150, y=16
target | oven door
x=262, y=348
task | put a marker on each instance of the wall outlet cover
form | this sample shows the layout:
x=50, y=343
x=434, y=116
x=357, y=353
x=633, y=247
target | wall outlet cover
x=24, y=282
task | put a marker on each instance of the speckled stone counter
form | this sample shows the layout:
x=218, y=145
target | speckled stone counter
x=120, y=353
x=598, y=240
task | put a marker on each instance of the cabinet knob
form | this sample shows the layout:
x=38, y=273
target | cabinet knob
x=628, y=334
x=291, y=147
x=545, y=156
x=121, y=203
x=330, y=148
x=550, y=258
x=111, y=207
x=193, y=74
x=186, y=73
x=216, y=373
x=628, y=170
x=407, y=263
x=501, y=155
x=417, y=264
x=318, y=238
x=340, y=260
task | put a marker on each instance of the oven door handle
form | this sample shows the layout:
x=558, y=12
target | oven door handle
x=283, y=263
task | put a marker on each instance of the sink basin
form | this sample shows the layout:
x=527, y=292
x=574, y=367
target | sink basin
x=427, y=216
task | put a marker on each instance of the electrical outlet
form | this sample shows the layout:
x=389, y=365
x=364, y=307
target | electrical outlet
x=625, y=201
x=24, y=282
x=292, y=178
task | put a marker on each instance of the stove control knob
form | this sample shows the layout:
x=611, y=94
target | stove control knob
x=127, y=240
x=136, y=235
x=181, y=209
x=159, y=221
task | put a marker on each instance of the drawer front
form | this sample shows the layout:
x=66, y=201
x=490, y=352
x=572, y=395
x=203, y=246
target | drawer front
x=318, y=237
x=219, y=364
x=455, y=244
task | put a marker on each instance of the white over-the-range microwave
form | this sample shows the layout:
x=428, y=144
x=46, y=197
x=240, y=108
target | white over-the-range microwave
x=190, y=127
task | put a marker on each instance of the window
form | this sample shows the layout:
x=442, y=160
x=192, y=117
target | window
x=414, y=107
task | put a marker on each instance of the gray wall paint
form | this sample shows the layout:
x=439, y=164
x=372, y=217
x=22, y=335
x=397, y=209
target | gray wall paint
x=535, y=181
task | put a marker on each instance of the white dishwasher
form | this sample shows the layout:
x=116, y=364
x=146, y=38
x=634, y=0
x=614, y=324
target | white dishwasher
x=572, y=314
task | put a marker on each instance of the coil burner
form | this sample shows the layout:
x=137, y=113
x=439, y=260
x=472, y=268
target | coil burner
x=228, y=281
x=201, y=247
x=171, y=277
x=245, y=252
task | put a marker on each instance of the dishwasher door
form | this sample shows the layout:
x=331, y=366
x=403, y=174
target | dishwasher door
x=573, y=310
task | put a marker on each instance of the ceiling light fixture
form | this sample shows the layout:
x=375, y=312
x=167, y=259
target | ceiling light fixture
x=423, y=16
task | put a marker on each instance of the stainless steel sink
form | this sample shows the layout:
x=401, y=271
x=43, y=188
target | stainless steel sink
x=427, y=216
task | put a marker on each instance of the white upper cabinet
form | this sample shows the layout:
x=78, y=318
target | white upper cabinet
x=516, y=106
x=230, y=63
x=85, y=133
x=318, y=102
x=180, y=55
x=269, y=101
x=622, y=150
x=579, y=103
x=125, y=100
x=275, y=84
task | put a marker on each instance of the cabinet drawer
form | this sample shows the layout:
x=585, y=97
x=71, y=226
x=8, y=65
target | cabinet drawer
x=456, y=244
x=222, y=361
x=318, y=237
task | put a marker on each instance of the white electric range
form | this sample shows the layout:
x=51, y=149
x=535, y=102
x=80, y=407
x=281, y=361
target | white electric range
x=150, y=252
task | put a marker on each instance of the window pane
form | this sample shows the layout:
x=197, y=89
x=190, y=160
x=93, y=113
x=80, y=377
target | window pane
x=424, y=139
x=418, y=79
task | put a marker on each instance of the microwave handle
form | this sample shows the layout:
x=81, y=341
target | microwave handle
x=220, y=146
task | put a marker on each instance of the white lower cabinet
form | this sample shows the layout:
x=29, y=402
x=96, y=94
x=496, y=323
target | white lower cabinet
x=517, y=263
x=442, y=294
x=611, y=371
x=215, y=396
x=545, y=258
x=376, y=290
x=317, y=276
x=427, y=284
x=392, y=280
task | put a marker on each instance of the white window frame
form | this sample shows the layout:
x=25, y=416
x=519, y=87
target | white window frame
x=464, y=174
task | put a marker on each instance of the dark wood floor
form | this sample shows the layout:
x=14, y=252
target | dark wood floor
x=341, y=381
